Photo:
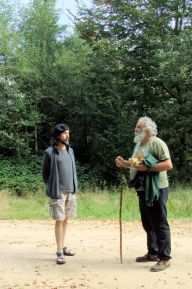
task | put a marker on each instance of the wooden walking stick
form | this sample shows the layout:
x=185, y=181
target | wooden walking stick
x=122, y=182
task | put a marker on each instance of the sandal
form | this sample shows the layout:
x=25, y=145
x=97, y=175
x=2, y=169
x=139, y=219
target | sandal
x=60, y=258
x=68, y=252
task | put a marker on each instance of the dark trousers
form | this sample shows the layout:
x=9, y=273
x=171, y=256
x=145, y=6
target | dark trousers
x=155, y=224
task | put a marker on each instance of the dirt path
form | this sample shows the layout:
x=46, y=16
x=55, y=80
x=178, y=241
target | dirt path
x=27, y=257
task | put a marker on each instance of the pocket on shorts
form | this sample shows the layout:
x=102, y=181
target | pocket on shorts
x=56, y=209
x=71, y=206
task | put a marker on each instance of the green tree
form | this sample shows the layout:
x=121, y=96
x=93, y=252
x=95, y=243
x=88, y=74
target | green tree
x=15, y=121
x=34, y=69
x=152, y=39
x=8, y=37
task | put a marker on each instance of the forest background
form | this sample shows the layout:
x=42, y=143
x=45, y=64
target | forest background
x=124, y=60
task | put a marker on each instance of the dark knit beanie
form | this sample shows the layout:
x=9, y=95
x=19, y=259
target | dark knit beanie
x=59, y=128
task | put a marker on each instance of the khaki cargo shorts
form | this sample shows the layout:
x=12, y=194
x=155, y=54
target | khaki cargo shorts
x=64, y=207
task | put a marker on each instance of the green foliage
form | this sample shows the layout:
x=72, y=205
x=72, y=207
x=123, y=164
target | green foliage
x=153, y=43
x=21, y=177
x=175, y=78
x=126, y=59
x=16, y=120
x=8, y=37
x=24, y=178
x=87, y=178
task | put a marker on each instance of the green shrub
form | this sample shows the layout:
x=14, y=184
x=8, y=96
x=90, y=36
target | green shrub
x=87, y=178
x=21, y=177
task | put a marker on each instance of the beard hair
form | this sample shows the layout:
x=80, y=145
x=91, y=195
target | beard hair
x=65, y=142
x=139, y=136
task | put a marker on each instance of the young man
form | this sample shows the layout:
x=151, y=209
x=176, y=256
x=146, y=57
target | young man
x=155, y=186
x=59, y=175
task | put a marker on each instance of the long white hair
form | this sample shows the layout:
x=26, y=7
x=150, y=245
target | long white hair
x=149, y=124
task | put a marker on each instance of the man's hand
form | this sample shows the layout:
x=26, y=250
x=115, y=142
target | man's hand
x=141, y=168
x=159, y=167
x=119, y=162
x=122, y=163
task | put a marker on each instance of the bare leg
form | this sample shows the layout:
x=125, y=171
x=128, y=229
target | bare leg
x=59, y=235
x=65, y=222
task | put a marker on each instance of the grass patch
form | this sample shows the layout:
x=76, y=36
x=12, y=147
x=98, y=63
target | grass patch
x=180, y=203
x=93, y=205
x=105, y=205
x=29, y=207
x=4, y=204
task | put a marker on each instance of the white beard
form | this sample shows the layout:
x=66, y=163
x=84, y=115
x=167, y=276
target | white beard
x=139, y=136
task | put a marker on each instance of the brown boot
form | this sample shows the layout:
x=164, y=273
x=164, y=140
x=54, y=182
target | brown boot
x=160, y=266
x=147, y=258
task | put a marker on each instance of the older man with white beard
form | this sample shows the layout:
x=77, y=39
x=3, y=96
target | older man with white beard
x=153, y=216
